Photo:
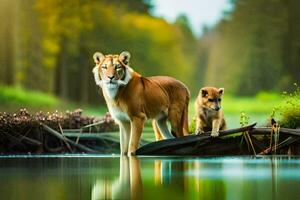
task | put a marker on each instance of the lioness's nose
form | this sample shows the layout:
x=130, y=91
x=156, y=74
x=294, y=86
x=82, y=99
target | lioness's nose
x=217, y=108
x=111, y=77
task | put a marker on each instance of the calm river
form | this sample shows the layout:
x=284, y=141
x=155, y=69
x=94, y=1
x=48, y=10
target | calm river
x=114, y=177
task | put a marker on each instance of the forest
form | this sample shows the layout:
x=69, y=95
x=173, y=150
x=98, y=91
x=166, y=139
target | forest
x=48, y=45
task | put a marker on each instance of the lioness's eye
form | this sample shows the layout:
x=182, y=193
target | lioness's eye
x=117, y=66
x=104, y=66
x=211, y=100
x=120, y=72
x=219, y=99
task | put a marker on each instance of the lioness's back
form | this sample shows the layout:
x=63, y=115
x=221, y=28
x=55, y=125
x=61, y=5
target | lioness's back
x=170, y=84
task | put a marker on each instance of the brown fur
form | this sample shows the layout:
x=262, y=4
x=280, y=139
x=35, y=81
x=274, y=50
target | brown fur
x=210, y=116
x=160, y=98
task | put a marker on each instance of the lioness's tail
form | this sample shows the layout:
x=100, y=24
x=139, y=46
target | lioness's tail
x=185, y=116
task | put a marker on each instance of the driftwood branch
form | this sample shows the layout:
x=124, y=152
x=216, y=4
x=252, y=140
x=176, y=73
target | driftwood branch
x=286, y=142
x=62, y=138
x=65, y=141
x=266, y=130
x=31, y=141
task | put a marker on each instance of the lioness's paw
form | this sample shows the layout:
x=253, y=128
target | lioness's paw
x=131, y=153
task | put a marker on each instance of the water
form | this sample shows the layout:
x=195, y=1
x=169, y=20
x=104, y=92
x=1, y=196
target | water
x=114, y=177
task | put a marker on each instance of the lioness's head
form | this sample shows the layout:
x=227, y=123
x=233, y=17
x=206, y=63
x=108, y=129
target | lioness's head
x=112, y=71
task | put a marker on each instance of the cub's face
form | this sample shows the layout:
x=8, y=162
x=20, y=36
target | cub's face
x=111, y=70
x=211, y=97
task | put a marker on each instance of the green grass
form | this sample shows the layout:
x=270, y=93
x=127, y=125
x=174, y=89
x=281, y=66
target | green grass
x=12, y=99
x=258, y=107
x=262, y=103
x=18, y=96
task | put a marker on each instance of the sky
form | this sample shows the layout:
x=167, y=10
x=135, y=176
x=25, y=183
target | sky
x=199, y=12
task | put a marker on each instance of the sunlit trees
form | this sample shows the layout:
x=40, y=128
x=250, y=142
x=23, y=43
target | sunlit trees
x=254, y=47
x=47, y=45
x=55, y=41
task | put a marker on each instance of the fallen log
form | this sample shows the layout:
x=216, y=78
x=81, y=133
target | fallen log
x=266, y=130
x=204, y=144
x=189, y=143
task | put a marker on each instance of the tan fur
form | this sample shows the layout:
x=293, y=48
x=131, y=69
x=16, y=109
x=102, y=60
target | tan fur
x=210, y=116
x=139, y=98
x=128, y=185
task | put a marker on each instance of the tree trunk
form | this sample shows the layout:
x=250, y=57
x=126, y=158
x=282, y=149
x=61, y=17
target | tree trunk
x=61, y=74
x=9, y=41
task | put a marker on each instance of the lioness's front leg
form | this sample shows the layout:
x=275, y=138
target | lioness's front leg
x=137, y=125
x=136, y=183
x=124, y=137
x=215, y=127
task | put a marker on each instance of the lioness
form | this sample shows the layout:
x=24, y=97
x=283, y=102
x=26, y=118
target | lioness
x=131, y=99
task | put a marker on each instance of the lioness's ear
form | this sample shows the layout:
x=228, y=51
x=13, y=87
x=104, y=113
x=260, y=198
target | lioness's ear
x=203, y=92
x=98, y=57
x=221, y=91
x=124, y=57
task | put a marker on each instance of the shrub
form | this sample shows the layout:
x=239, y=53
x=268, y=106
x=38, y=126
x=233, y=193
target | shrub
x=290, y=110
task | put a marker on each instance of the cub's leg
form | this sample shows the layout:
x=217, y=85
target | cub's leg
x=137, y=125
x=199, y=126
x=223, y=125
x=161, y=121
x=157, y=133
x=215, y=127
x=124, y=137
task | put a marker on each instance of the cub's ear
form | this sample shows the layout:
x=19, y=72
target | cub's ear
x=221, y=91
x=125, y=57
x=98, y=57
x=203, y=92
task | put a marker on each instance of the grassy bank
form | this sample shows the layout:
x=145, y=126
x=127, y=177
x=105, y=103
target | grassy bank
x=261, y=103
x=258, y=107
x=13, y=99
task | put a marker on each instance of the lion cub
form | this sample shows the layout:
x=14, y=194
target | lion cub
x=210, y=117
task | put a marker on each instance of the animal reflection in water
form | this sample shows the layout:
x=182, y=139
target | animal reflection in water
x=164, y=171
x=128, y=186
x=190, y=178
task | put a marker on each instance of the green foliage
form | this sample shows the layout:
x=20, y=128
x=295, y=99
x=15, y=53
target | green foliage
x=244, y=119
x=290, y=110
